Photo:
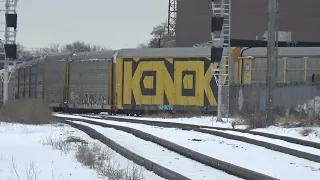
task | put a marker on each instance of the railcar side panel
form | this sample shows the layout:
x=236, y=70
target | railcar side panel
x=54, y=79
x=289, y=69
x=312, y=66
x=110, y=83
x=32, y=81
x=295, y=64
x=31, y=93
x=1, y=91
x=39, y=81
x=16, y=84
x=173, y=84
x=90, y=84
x=27, y=81
x=21, y=83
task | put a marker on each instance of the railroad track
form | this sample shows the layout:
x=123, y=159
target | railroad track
x=193, y=127
x=287, y=157
x=166, y=172
x=217, y=131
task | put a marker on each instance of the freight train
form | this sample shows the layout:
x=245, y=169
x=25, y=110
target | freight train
x=124, y=81
x=135, y=81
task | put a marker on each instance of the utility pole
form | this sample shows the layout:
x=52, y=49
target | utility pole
x=271, y=59
x=220, y=50
x=9, y=46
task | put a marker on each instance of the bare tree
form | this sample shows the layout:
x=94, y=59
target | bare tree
x=53, y=48
x=23, y=54
x=157, y=34
x=142, y=45
x=80, y=46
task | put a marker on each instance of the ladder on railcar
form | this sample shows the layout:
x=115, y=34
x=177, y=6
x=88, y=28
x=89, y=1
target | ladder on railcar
x=222, y=8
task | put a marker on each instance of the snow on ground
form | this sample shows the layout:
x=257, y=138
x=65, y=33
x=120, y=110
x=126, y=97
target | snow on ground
x=176, y=162
x=22, y=149
x=211, y=121
x=202, y=120
x=274, y=141
x=246, y=155
x=311, y=104
x=293, y=132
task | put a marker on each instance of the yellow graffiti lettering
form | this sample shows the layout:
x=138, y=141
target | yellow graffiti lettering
x=195, y=81
x=181, y=66
x=207, y=89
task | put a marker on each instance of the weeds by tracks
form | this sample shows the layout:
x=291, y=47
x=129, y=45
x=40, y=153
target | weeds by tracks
x=95, y=157
x=99, y=158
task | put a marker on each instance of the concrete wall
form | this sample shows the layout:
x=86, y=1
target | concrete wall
x=249, y=19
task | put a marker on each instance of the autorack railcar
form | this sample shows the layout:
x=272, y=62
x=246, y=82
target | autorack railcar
x=43, y=78
x=165, y=79
x=89, y=81
x=123, y=81
x=151, y=79
x=294, y=64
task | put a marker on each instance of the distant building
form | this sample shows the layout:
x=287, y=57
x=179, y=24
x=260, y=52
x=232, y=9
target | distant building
x=301, y=18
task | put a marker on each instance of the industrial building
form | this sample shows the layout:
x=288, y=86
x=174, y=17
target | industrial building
x=297, y=20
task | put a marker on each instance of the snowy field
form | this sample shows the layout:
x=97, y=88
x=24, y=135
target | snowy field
x=176, y=162
x=211, y=121
x=41, y=152
x=293, y=132
x=246, y=155
x=308, y=149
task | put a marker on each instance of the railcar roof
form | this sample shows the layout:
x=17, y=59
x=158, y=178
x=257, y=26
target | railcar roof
x=30, y=63
x=284, y=51
x=58, y=56
x=165, y=52
x=96, y=55
x=52, y=57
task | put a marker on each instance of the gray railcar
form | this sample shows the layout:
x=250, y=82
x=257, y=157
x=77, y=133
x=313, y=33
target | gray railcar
x=27, y=75
x=295, y=64
x=54, y=79
x=90, y=84
x=42, y=78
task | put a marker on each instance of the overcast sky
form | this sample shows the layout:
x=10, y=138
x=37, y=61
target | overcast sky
x=111, y=23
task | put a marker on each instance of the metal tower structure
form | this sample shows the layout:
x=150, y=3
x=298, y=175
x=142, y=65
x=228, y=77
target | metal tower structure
x=221, y=32
x=9, y=50
x=172, y=18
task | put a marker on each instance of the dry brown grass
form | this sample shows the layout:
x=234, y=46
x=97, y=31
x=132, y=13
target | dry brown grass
x=100, y=159
x=31, y=171
x=251, y=117
x=299, y=118
x=94, y=157
x=26, y=111
x=307, y=131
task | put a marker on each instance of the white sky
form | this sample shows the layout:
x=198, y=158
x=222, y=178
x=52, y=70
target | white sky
x=111, y=23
